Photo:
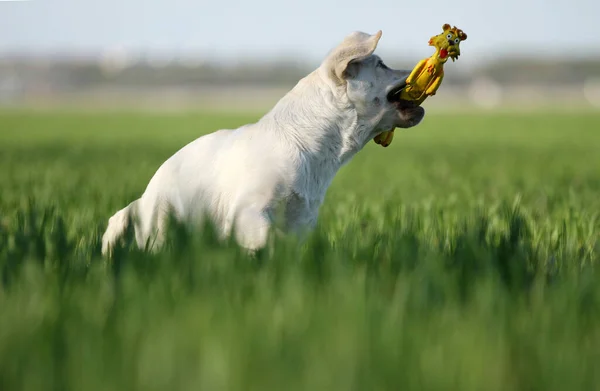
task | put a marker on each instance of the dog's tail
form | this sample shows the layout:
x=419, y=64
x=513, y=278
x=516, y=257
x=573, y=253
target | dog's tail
x=117, y=226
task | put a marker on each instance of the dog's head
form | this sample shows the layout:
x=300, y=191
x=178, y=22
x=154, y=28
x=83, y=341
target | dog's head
x=370, y=86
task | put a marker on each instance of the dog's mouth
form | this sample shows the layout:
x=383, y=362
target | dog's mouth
x=410, y=113
x=393, y=96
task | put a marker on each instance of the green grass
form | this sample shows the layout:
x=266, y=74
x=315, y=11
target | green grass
x=464, y=256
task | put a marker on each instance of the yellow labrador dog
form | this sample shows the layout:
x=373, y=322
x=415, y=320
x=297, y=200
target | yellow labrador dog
x=284, y=162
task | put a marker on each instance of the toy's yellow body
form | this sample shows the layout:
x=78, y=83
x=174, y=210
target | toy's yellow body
x=427, y=75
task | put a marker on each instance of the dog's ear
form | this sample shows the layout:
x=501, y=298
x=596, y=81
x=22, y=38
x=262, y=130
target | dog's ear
x=355, y=47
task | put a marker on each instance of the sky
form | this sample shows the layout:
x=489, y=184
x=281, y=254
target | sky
x=305, y=29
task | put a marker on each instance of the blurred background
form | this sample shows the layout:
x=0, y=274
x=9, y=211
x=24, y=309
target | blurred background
x=235, y=55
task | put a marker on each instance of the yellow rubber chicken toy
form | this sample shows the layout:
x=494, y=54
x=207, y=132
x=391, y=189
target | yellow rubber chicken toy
x=426, y=77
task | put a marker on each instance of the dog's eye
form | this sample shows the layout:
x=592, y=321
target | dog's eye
x=456, y=40
x=449, y=36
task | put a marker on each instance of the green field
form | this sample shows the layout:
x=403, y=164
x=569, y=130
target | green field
x=463, y=257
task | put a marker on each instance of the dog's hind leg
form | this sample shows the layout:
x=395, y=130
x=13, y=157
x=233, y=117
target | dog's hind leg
x=153, y=214
x=117, y=225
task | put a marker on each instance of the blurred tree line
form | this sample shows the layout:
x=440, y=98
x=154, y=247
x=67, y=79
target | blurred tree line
x=66, y=74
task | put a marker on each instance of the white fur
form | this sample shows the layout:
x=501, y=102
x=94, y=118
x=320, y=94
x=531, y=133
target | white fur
x=241, y=177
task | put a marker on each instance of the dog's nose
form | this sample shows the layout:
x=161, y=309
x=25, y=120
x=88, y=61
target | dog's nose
x=401, y=75
x=450, y=42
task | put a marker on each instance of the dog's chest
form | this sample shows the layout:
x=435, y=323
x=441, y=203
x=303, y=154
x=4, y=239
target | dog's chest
x=300, y=211
x=307, y=191
x=313, y=177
